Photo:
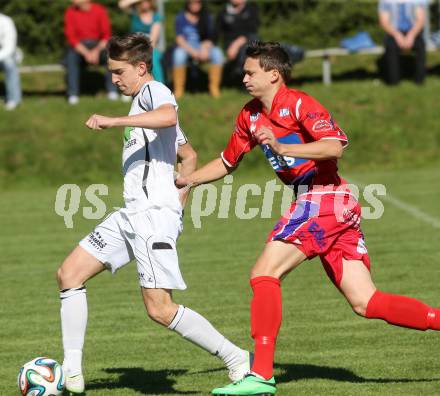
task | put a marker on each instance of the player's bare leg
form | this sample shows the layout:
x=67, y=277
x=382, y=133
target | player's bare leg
x=371, y=303
x=159, y=305
x=195, y=328
x=357, y=285
x=76, y=269
x=276, y=261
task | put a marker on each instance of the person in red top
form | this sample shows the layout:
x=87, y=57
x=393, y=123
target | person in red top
x=302, y=143
x=87, y=30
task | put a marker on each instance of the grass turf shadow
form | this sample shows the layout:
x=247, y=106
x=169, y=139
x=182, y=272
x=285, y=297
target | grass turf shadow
x=140, y=380
x=297, y=372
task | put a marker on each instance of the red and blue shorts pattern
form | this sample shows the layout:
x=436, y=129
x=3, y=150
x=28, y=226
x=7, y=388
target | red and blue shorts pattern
x=324, y=224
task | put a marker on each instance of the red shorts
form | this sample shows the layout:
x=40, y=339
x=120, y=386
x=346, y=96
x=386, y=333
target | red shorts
x=324, y=224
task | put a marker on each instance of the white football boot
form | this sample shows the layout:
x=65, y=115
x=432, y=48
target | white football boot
x=75, y=384
x=237, y=372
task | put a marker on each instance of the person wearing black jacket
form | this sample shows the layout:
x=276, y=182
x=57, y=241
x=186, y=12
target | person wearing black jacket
x=237, y=25
x=194, y=39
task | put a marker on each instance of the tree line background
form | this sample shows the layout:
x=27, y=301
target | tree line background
x=308, y=23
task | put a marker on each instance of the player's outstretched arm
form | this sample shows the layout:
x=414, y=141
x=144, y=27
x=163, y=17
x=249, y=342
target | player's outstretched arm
x=163, y=117
x=212, y=171
x=318, y=150
x=186, y=164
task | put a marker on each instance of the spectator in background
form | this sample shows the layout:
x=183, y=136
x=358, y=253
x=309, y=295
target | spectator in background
x=8, y=48
x=194, y=39
x=403, y=22
x=146, y=19
x=237, y=25
x=87, y=29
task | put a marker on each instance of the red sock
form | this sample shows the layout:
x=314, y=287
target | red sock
x=265, y=322
x=403, y=311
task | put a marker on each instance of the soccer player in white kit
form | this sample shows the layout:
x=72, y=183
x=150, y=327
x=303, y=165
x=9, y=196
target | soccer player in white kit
x=147, y=228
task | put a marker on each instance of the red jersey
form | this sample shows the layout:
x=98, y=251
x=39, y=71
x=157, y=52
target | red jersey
x=295, y=118
x=93, y=24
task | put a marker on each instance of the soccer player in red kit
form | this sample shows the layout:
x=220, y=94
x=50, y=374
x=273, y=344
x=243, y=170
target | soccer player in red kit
x=302, y=143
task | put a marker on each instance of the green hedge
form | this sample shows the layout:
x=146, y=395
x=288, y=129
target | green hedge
x=310, y=23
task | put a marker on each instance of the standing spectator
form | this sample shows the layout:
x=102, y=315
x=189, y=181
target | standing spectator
x=237, y=24
x=87, y=29
x=194, y=39
x=8, y=48
x=146, y=19
x=403, y=22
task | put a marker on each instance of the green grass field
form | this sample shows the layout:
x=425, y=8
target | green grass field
x=323, y=348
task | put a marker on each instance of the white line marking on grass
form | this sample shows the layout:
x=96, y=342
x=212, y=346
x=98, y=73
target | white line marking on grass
x=410, y=209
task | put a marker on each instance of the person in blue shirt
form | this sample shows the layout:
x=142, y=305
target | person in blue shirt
x=194, y=39
x=403, y=22
x=144, y=18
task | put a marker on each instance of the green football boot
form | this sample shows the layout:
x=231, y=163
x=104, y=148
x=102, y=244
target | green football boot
x=248, y=386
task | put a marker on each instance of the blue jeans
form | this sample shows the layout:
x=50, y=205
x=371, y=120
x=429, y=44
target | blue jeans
x=12, y=80
x=73, y=64
x=180, y=56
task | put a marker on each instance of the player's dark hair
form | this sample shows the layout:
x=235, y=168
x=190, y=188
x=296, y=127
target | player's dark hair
x=132, y=48
x=271, y=56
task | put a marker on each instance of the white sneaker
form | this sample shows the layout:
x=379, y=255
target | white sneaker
x=75, y=384
x=73, y=100
x=112, y=96
x=239, y=371
x=10, y=105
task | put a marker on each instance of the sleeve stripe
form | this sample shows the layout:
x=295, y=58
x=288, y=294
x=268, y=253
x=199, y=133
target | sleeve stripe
x=141, y=105
x=241, y=153
x=224, y=160
x=151, y=96
x=335, y=138
x=298, y=105
x=143, y=90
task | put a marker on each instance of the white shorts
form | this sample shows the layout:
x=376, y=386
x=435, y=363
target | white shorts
x=149, y=237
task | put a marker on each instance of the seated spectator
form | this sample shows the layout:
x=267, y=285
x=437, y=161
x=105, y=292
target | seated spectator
x=8, y=47
x=194, y=35
x=403, y=22
x=146, y=19
x=87, y=29
x=237, y=25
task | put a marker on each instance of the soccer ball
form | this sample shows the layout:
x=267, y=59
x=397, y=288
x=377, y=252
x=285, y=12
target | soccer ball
x=41, y=377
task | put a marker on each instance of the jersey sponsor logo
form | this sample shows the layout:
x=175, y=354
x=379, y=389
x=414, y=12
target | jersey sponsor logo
x=316, y=114
x=130, y=143
x=318, y=234
x=323, y=126
x=97, y=241
x=352, y=218
x=142, y=277
x=127, y=133
x=254, y=117
x=280, y=162
x=284, y=112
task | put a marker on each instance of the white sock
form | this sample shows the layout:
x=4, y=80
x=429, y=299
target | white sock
x=73, y=327
x=195, y=328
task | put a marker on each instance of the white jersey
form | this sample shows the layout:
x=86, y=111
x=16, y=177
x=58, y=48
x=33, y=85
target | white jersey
x=149, y=155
